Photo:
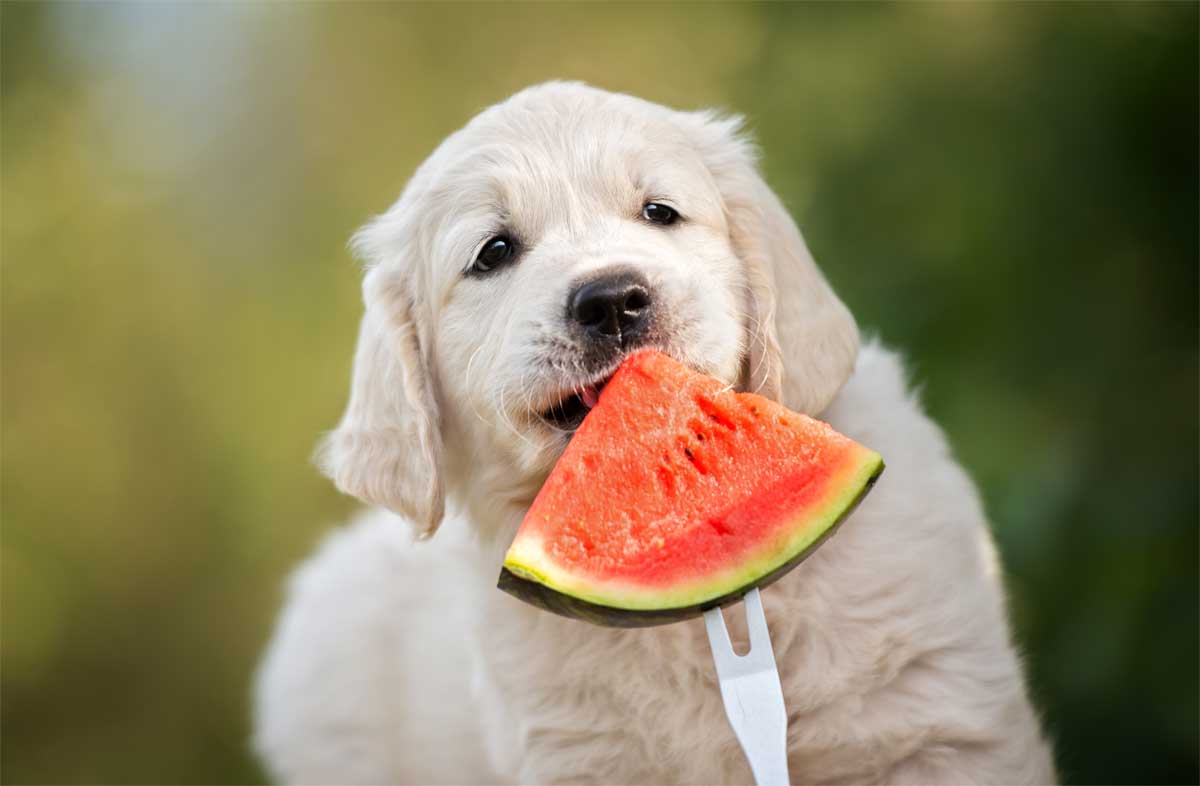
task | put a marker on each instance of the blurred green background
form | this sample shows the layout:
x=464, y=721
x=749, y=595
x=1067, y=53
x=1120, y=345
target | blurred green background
x=1008, y=193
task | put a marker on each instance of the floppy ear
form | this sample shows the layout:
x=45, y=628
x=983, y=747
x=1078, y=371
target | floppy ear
x=803, y=342
x=387, y=450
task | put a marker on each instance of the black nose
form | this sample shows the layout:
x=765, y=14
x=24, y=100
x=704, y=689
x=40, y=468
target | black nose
x=616, y=305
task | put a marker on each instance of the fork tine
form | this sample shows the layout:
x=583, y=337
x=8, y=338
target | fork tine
x=718, y=638
x=756, y=624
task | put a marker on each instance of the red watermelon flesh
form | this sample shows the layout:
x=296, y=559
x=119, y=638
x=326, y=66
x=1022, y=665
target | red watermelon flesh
x=678, y=494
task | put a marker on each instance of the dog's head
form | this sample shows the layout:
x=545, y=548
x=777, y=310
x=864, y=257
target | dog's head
x=529, y=254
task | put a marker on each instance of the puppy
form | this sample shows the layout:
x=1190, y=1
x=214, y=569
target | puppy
x=532, y=251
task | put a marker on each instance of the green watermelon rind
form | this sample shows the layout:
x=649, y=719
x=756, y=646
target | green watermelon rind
x=658, y=607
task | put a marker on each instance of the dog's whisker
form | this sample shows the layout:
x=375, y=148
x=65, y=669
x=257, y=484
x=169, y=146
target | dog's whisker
x=471, y=360
x=757, y=334
x=527, y=398
x=507, y=421
x=502, y=411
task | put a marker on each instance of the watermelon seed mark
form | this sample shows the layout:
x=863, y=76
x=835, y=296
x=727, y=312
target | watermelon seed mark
x=719, y=526
x=589, y=548
x=667, y=479
x=714, y=413
x=703, y=470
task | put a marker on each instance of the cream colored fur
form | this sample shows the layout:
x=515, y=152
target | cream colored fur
x=397, y=660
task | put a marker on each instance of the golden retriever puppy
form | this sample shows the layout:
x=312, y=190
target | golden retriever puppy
x=527, y=256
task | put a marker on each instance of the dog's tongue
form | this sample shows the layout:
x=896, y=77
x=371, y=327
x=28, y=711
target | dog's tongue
x=590, y=395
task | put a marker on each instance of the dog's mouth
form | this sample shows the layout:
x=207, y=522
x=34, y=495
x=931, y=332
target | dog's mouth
x=569, y=411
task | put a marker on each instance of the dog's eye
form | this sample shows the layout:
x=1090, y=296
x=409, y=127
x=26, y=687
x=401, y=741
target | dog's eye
x=657, y=213
x=495, y=252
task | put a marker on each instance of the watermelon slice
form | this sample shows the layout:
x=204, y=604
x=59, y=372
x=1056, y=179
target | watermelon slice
x=677, y=495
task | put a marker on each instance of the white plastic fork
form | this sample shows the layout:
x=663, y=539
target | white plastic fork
x=752, y=694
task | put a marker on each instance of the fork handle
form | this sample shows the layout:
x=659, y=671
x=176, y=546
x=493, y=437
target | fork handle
x=762, y=733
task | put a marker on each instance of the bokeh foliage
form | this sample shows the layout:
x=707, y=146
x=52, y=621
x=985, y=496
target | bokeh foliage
x=1007, y=192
